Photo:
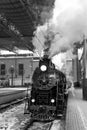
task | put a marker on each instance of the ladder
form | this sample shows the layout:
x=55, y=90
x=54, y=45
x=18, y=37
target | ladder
x=60, y=98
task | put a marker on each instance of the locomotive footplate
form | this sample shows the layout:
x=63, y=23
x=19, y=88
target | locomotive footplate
x=34, y=107
x=42, y=117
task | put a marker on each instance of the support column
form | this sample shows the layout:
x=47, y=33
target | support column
x=75, y=67
x=84, y=81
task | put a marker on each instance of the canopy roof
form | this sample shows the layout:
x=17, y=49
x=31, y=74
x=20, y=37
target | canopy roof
x=18, y=21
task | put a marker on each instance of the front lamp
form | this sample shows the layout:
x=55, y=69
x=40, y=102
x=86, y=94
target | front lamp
x=33, y=100
x=43, y=67
x=52, y=100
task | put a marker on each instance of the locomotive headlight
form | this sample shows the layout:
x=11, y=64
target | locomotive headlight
x=33, y=100
x=52, y=100
x=43, y=67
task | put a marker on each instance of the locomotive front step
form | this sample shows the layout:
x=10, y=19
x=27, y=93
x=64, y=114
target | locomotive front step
x=42, y=117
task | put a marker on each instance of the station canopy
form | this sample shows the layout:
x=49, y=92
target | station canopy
x=18, y=21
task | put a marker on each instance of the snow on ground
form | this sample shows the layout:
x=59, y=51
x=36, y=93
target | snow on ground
x=12, y=118
x=57, y=125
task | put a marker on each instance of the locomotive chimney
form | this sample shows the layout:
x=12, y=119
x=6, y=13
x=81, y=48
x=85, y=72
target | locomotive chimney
x=47, y=46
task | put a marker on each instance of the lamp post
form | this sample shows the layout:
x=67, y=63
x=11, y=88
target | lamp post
x=31, y=66
x=12, y=72
x=22, y=74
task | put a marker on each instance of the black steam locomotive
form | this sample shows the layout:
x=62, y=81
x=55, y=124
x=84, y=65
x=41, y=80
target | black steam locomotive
x=47, y=99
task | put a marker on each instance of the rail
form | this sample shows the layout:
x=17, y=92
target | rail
x=31, y=124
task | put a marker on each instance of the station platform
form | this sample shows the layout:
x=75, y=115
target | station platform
x=8, y=95
x=76, y=115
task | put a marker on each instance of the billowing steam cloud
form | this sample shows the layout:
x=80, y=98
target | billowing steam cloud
x=46, y=14
x=39, y=39
x=68, y=25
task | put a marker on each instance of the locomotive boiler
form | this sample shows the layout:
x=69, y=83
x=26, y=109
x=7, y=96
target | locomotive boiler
x=47, y=100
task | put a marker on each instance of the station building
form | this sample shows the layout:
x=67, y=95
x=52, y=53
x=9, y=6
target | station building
x=17, y=69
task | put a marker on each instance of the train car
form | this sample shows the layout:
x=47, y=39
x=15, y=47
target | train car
x=47, y=99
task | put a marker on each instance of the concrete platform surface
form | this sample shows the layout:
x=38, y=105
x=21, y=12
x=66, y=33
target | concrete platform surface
x=76, y=117
x=5, y=90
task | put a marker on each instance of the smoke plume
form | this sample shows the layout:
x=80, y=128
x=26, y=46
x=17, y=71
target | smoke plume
x=68, y=25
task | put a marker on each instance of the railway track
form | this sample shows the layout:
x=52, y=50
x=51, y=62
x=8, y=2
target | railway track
x=11, y=98
x=40, y=126
x=33, y=125
x=11, y=104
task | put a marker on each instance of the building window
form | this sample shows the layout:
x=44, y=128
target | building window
x=21, y=69
x=3, y=69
